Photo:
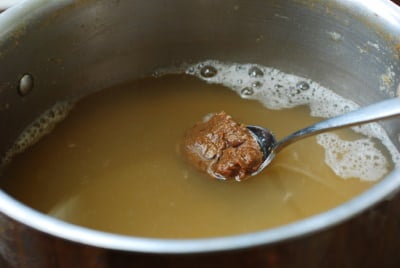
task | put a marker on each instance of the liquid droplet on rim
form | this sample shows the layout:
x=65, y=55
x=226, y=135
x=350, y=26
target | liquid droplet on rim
x=25, y=85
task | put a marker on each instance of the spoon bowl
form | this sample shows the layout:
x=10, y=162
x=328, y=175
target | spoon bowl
x=270, y=146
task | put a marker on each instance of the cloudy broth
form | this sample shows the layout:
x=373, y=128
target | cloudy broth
x=115, y=164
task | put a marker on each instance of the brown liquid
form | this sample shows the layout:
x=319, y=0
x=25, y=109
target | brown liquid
x=115, y=165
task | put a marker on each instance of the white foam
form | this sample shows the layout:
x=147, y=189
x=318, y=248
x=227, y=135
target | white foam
x=279, y=90
x=43, y=125
x=353, y=159
x=275, y=90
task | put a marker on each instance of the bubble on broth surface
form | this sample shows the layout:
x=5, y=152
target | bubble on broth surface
x=256, y=84
x=254, y=71
x=278, y=90
x=208, y=71
x=247, y=91
x=302, y=85
x=43, y=125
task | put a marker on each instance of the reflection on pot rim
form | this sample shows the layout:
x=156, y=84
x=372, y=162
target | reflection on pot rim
x=68, y=231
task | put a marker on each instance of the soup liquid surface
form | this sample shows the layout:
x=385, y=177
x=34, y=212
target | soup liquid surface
x=114, y=164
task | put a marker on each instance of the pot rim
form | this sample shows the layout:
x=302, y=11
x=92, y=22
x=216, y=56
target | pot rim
x=52, y=226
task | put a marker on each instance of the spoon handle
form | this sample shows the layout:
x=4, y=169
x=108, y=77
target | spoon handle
x=381, y=110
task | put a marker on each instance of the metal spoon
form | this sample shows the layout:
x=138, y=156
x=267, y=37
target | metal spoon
x=270, y=146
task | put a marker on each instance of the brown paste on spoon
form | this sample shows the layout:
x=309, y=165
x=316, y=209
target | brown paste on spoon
x=223, y=148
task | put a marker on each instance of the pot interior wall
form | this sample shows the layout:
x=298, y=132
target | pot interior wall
x=72, y=49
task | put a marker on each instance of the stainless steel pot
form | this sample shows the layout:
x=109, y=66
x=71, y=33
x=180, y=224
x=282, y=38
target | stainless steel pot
x=71, y=48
